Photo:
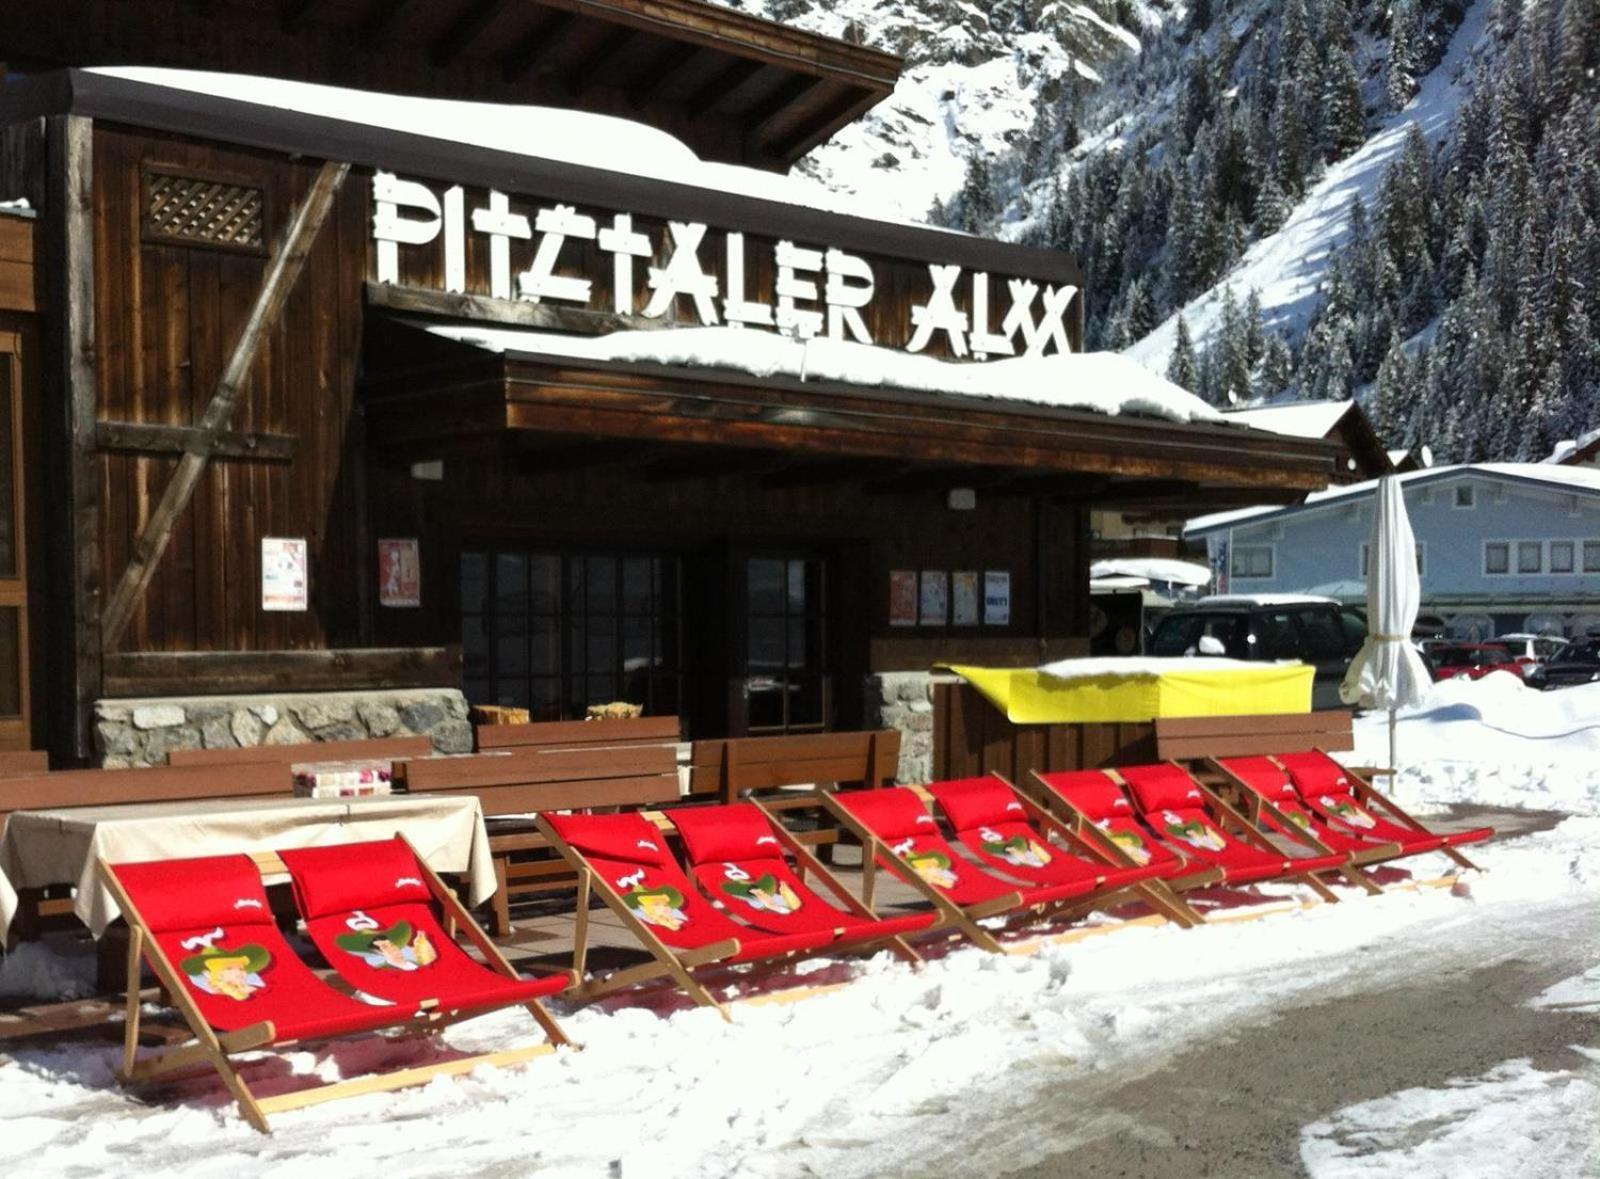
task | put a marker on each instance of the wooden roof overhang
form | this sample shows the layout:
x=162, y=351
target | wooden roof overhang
x=168, y=109
x=791, y=432
x=735, y=87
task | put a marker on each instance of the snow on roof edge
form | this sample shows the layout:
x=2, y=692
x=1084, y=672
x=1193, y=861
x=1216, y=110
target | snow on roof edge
x=1080, y=380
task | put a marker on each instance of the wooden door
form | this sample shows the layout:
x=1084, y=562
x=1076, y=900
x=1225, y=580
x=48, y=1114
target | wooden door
x=15, y=666
x=784, y=659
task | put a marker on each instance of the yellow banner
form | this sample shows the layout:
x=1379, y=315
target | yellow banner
x=1028, y=697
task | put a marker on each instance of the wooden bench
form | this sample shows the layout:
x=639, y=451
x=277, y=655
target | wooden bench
x=367, y=749
x=1197, y=738
x=526, y=780
x=21, y=763
x=644, y=730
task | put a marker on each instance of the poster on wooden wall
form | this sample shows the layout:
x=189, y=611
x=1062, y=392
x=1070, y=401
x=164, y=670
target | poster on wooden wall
x=283, y=573
x=964, y=598
x=903, y=597
x=997, y=597
x=399, y=573
x=935, y=597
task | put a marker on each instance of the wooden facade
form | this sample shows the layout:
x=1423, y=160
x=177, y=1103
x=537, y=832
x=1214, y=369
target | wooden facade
x=229, y=357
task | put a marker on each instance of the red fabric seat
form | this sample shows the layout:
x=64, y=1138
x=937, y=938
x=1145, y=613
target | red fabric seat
x=738, y=860
x=1265, y=778
x=1099, y=799
x=210, y=918
x=1326, y=787
x=1173, y=806
x=897, y=817
x=631, y=856
x=370, y=912
x=992, y=824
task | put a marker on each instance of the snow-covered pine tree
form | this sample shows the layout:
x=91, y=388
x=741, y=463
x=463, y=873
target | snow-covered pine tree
x=1183, y=369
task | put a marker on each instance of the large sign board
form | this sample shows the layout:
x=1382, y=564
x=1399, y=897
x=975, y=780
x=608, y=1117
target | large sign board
x=509, y=248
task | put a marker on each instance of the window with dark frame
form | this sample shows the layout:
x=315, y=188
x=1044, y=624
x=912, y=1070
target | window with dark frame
x=1562, y=556
x=786, y=647
x=1497, y=557
x=1591, y=556
x=555, y=632
x=1252, y=560
x=1530, y=556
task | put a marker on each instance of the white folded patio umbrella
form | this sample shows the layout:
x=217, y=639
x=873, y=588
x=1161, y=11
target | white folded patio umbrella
x=1387, y=672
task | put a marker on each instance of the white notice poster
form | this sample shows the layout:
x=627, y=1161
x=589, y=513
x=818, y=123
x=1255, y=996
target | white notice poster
x=997, y=598
x=283, y=573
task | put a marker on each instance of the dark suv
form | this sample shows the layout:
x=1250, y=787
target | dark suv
x=1270, y=627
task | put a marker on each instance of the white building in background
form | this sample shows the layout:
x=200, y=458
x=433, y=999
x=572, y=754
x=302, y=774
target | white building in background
x=1502, y=547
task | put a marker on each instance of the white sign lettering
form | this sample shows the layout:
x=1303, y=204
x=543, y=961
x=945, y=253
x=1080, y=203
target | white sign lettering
x=814, y=291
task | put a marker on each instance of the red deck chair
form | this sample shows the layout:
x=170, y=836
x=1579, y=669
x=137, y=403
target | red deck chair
x=372, y=910
x=736, y=855
x=898, y=833
x=625, y=859
x=1184, y=814
x=1274, y=805
x=1101, y=810
x=1342, y=797
x=1012, y=835
x=205, y=928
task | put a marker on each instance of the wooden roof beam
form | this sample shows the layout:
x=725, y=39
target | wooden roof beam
x=721, y=84
x=821, y=126
x=532, y=47
x=292, y=12
x=780, y=102
x=586, y=69
x=380, y=19
x=458, y=38
x=665, y=70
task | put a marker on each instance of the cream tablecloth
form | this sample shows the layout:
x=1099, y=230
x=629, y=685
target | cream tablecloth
x=47, y=847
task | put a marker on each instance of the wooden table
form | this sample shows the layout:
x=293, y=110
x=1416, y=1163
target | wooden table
x=61, y=846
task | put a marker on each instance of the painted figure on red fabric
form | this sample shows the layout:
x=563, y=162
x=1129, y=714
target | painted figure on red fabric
x=767, y=892
x=1018, y=850
x=932, y=866
x=225, y=970
x=1349, y=813
x=1191, y=831
x=1131, y=842
x=395, y=948
x=661, y=906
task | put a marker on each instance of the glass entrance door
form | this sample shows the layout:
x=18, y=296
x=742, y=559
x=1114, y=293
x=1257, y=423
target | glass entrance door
x=787, y=687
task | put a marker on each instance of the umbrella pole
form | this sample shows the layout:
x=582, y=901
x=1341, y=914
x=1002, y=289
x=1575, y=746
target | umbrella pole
x=1394, y=768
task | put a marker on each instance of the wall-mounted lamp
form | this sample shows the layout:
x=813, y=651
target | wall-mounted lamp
x=961, y=499
x=430, y=471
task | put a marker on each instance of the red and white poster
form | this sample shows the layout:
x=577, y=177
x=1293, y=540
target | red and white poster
x=284, y=583
x=399, y=573
x=903, y=597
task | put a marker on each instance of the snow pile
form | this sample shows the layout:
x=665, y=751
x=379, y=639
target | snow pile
x=1567, y=447
x=546, y=133
x=1579, y=993
x=34, y=970
x=1153, y=569
x=1101, y=382
x=1298, y=419
x=1510, y=1122
x=1493, y=741
x=1145, y=667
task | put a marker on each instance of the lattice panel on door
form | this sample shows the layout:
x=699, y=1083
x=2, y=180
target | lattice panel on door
x=192, y=210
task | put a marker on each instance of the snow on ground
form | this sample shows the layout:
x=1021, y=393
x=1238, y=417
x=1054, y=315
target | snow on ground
x=1513, y=1121
x=1287, y=267
x=885, y=1074
x=1493, y=741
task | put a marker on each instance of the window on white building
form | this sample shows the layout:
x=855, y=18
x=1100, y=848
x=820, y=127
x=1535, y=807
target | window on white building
x=1464, y=496
x=1497, y=557
x=1591, y=556
x=1530, y=556
x=1252, y=560
x=1562, y=556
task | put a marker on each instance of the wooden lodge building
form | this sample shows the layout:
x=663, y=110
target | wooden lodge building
x=349, y=388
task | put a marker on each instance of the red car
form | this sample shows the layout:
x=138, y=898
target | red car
x=1472, y=661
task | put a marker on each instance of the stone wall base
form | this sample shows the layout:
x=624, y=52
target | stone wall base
x=141, y=732
x=903, y=700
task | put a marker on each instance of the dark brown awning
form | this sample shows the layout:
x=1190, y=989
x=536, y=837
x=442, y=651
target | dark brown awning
x=433, y=395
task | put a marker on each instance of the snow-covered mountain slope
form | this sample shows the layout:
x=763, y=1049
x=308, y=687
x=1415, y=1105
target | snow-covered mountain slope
x=976, y=77
x=1288, y=268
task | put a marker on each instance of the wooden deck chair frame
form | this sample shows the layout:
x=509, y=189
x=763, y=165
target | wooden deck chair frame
x=1074, y=820
x=679, y=965
x=1156, y=894
x=808, y=863
x=216, y=1050
x=1369, y=795
x=1268, y=818
x=1012, y=906
x=1247, y=833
